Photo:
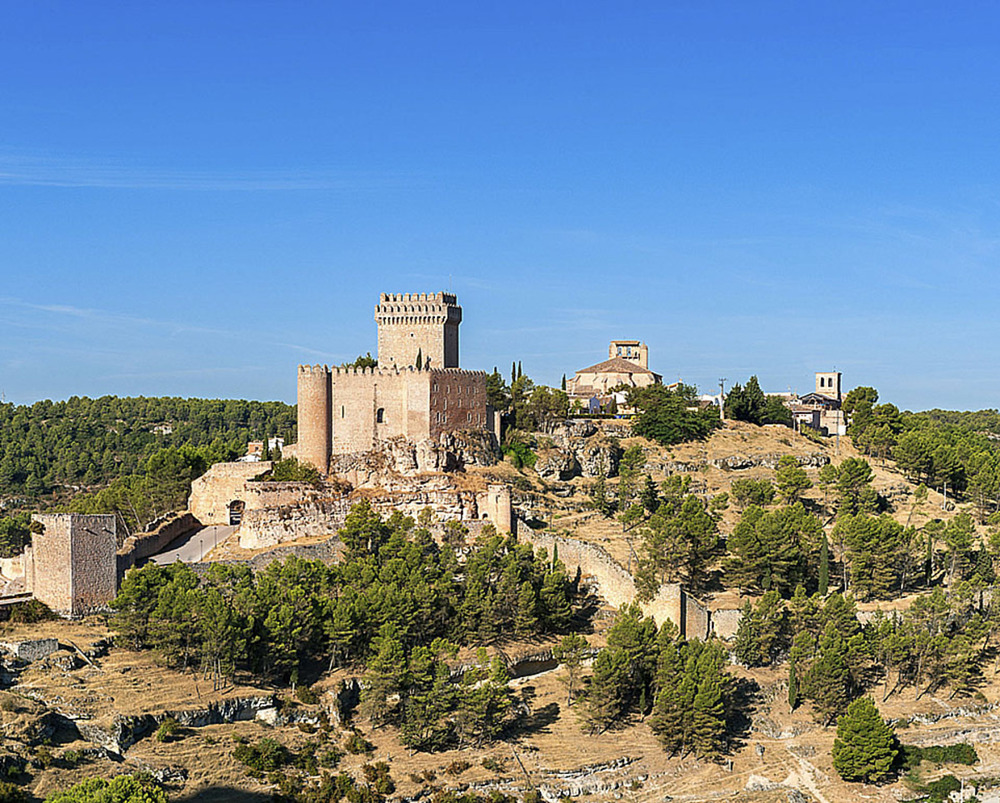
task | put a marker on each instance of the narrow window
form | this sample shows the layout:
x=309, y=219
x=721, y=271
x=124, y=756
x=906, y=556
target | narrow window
x=380, y=415
x=341, y=411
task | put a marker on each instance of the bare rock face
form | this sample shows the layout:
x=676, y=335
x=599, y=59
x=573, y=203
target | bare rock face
x=555, y=464
x=453, y=451
x=739, y=462
x=578, y=451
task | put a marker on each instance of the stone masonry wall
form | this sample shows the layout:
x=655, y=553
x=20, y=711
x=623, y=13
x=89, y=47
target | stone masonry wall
x=223, y=483
x=458, y=401
x=74, y=565
x=143, y=545
x=617, y=586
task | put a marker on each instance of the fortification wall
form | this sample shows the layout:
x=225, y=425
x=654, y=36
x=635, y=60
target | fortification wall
x=12, y=568
x=143, y=545
x=617, y=586
x=223, y=483
x=371, y=405
x=458, y=401
x=272, y=526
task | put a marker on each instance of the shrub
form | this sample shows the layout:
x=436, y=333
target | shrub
x=305, y=694
x=497, y=765
x=357, y=744
x=267, y=755
x=168, y=730
x=30, y=612
x=457, y=767
x=12, y=793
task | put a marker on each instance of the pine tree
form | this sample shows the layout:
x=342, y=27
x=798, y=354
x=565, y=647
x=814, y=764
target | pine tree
x=747, y=647
x=570, y=652
x=865, y=747
x=526, y=619
x=608, y=692
x=828, y=683
x=708, y=719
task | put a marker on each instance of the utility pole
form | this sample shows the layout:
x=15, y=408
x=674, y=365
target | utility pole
x=722, y=399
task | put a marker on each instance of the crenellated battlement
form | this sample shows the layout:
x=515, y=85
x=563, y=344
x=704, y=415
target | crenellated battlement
x=407, y=298
x=314, y=369
x=456, y=371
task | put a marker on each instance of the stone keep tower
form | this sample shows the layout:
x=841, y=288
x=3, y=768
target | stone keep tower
x=412, y=324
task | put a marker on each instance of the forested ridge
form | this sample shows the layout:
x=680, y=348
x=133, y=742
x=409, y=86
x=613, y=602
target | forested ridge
x=83, y=442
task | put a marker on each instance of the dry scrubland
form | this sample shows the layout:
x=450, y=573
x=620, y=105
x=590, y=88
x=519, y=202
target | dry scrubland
x=782, y=747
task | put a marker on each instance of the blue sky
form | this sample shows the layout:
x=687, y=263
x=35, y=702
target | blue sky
x=197, y=196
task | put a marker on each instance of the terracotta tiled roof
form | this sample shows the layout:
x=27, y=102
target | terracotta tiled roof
x=616, y=365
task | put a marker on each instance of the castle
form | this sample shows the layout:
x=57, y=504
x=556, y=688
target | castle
x=416, y=391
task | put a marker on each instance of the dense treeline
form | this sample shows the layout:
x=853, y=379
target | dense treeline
x=957, y=451
x=399, y=604
x=89, y=442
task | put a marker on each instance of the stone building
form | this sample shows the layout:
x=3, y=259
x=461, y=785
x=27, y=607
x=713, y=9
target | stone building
x=71, y=564
x=627, y=365
x=821, y=408
x=416, y=392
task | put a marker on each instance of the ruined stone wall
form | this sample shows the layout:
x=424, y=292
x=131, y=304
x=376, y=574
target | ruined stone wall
x=458, y=401
x=272, y=526
x=74, y=565
x=617, y=586
x=12, y=568
x=726, y=622
x=495, y=506
x=223, y=483
x=418, y=323
x=143, y=545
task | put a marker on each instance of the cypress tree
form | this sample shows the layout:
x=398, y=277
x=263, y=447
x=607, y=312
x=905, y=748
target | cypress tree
x=420, y=359
x=563, y=385
x=513, y=372
x=265, y=451
x=824, y=566
x=518, y=369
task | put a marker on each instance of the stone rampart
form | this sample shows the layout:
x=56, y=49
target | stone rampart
x=224, y=483
x=617, y=586
x=269, y=527
x=142, y=545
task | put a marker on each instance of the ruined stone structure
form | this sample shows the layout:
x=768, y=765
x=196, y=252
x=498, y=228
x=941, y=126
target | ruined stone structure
x=417, y=391
x=71, y=564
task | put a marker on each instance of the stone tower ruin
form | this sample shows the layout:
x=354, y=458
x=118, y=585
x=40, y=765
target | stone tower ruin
x=418, y=326
x=72, y=564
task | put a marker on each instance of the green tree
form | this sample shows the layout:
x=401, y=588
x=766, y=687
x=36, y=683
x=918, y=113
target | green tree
x=571, y=652
x=865, y=748
x=791, y=479
x=670, y=416
x=120, y=789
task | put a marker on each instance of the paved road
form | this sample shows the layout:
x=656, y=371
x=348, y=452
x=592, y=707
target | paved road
x=191, y=548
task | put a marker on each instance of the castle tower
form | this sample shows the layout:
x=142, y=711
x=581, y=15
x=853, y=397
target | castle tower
x=74, y=568
x=418, y=325
x=828, y=384
x=315, y=416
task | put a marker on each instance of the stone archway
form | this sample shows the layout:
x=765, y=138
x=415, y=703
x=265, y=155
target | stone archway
x=235, y=509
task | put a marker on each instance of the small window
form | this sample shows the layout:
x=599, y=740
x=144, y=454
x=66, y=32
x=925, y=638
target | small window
x=341, y=411
x=470, y=417
x=380, y=415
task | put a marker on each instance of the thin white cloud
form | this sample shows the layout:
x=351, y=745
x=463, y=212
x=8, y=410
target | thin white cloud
x=49, y=170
